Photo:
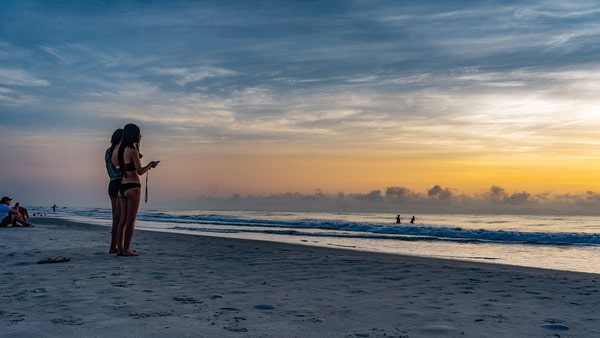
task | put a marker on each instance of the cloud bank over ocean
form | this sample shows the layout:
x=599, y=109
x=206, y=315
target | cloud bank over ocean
x=407, y=202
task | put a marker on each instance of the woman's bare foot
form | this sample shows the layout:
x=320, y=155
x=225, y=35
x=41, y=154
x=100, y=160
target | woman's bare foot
x=113, y=251
x=127, y=253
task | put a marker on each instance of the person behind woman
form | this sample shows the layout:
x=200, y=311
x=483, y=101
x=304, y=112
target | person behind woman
x=115, y=175
x=130, y=189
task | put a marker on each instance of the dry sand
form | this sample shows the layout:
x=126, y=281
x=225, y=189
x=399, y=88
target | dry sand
x=193, y=286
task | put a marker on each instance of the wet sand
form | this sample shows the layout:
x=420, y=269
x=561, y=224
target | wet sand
x=195, y=286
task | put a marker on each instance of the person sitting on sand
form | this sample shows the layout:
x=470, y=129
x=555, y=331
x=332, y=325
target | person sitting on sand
x=10, y=215
x=130, y=188
x=22, y=211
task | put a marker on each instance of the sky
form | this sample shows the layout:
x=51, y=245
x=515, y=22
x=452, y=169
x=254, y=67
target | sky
x=269, y=100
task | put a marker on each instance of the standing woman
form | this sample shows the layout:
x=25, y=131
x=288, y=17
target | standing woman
x=130, y=191
x=115, y=175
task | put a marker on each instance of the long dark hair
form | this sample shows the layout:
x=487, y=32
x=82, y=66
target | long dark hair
x=131, y=138
x=115, y=139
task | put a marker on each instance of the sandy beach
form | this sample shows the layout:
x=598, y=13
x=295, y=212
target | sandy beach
x=194, y=286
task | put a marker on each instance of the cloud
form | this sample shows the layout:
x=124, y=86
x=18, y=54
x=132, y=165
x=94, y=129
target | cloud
x=517, y=198
x=19, y=77
x=184, y=76
x=398, y=193
x=373, y=196
x=13, y=98
x=496, y=193
x=439, y=193
x=8, y=51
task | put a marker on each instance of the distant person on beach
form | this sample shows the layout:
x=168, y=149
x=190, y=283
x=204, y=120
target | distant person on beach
x=398, y=219
x=9, y=215
x=412, y=220
x=130, y=190
x=54, y=208
x=114, y=174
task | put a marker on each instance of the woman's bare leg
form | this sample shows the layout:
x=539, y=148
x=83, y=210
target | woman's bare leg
x=133, y=203
x=116, y=212
x=121, y=225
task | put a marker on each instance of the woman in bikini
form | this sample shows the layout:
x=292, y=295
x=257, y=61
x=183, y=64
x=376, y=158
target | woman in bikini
x=130, y=188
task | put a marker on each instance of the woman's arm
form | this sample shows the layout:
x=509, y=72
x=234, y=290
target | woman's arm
x=135, y=157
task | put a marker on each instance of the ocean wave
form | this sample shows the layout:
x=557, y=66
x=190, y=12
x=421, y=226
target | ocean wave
x=294, y=225
x=421, y=232
x=424, y=233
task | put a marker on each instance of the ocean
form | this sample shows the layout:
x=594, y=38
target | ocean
x=569, y=243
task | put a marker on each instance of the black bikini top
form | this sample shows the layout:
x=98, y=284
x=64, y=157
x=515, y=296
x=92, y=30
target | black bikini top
x=130, y=166
x=125, y=167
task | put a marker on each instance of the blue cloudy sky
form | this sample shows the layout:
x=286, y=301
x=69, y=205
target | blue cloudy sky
x=266, y=97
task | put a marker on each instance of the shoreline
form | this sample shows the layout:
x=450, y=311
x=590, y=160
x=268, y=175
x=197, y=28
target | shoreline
x=189, y=286
x=547, y=243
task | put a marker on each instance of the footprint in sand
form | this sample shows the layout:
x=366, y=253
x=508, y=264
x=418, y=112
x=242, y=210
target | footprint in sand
x=15, y=318
x=555, y=325
x=229, y=315
x=231, y=309
x=187, y=300
x=264, y=307
x=96, y=275
x=122, y=284
x=300, y=313
x=235, y=329
x=68, y=321
x=142, y=315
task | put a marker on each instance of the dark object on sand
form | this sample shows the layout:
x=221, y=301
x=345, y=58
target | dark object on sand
x=54, y=260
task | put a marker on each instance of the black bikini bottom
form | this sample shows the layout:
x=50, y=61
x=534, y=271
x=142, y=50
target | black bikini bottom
x=126, y=186
x=113, y=187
